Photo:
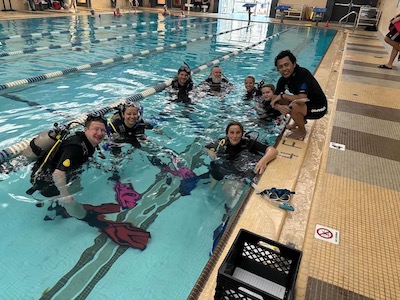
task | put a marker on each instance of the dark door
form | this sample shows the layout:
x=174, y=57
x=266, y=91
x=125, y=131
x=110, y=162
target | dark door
x=343, y=7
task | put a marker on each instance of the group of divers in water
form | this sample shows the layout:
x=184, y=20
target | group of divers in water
x=60, y=155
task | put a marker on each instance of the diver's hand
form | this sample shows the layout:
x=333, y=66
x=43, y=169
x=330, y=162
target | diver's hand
x=270, y=154
x=67, y=200
x=260, y=167
x=115, y=136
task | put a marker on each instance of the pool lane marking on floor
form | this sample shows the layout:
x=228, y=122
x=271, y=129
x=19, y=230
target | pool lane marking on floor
x=108, y=61
x=53, y=33
x=97, y=41
x=87, y=288
x=17, y=148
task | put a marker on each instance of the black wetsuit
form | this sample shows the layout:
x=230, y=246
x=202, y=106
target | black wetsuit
x=69, y=157
x=303, y=82
x=252, y=94
x=265, y=111
x=216, y=87
x=238, y=160
x=129, y=135
x=181, y=91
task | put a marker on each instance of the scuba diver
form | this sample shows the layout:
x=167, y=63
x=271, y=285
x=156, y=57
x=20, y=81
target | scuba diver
x=181, y=85
x=252, y=91
x=238, y=155
x=56, y=169
x=263, y=106
x=216, y=82
x=128, y=126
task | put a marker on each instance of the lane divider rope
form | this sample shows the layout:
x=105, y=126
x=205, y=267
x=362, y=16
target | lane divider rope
x=54, y=33
x=108, y=61
x=97, y=41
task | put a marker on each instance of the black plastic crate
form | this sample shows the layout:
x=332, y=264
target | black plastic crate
x=257, y=268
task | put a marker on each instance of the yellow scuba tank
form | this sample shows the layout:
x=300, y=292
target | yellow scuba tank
x=45, y=141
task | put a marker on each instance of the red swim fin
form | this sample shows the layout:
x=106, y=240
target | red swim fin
x=105, y=208
x=122, y=233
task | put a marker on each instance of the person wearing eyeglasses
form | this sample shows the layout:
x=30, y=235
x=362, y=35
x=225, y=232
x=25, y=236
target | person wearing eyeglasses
x=181, y=85
x=297, y=93
x=216, y=82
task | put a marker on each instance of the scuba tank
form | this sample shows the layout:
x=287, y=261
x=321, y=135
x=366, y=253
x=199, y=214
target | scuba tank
x=45, y=141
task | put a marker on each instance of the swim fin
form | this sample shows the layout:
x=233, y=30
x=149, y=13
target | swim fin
x=187, y=185
x=105, y=208
x=126, y=195
x=122, y=233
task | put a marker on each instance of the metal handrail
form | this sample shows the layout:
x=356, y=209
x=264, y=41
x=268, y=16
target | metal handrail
x=347, y=16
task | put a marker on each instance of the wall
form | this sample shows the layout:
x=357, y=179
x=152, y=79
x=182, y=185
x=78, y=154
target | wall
x=96, y=4
x=310, y=3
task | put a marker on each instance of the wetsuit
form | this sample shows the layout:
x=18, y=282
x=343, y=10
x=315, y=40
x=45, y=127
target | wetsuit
x=303, y=82
x=252, y=94
x=216, y=87
x=69, y=157
x=238, y=160
x=265, y=111
x=128, y=135
x=181, y=91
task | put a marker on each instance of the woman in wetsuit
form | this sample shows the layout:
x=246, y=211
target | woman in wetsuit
x=127, y=125
x=238, y=155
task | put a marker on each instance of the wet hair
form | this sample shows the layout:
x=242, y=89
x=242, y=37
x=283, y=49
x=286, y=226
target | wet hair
x=233, y=123
x=283, y=54
x=251, y=77
x=269, y=85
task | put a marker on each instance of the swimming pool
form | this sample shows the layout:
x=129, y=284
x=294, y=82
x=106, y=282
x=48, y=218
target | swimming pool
x=65, y=258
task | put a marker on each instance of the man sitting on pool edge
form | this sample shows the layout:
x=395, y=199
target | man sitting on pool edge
x=297, y=93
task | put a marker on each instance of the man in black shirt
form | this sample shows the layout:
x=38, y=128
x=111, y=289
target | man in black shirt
x=298, y=94
x=53, y=172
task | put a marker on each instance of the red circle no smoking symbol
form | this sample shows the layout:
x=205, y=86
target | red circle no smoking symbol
x=324, y=233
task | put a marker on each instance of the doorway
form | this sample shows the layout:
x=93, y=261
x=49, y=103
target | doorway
x=343, y=7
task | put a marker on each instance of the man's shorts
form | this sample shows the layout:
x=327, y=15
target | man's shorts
x=315, y=112
x=394, y=35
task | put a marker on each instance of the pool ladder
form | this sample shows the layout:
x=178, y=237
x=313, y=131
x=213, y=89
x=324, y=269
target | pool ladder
x=347, y=17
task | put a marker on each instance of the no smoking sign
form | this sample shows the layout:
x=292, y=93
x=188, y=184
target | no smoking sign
x=326, y=234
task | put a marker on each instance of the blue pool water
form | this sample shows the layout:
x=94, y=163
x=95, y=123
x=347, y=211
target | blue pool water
x=66, y=258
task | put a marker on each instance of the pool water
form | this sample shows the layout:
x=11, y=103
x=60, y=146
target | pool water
x=66, y=258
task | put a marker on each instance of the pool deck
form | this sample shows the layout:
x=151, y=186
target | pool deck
x=351, y=189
